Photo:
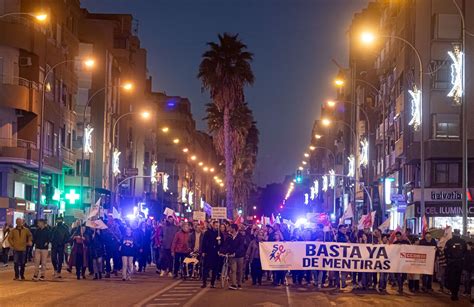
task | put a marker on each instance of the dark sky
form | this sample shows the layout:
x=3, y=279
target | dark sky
x=293, y=42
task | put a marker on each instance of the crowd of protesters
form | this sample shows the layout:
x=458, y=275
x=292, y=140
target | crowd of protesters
x=202, y=249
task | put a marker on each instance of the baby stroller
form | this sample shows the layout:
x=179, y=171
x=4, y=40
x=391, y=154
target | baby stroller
x=191, y=266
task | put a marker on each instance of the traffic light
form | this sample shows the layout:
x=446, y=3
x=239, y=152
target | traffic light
x=299, y=176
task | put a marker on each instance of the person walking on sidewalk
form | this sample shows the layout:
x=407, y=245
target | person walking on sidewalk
x=59, y=238
x=5, y=244
x=41, y=243
x=20, y=238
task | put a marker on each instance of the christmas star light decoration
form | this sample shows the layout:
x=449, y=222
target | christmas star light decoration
x=415, y=108
x=456, y=91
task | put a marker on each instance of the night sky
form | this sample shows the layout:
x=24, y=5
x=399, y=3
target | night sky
x=293, y=42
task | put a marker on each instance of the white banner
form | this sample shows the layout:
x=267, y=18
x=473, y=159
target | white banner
x=333, y=256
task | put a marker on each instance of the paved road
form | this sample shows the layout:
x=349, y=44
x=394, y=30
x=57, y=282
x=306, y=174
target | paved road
x=148, y=289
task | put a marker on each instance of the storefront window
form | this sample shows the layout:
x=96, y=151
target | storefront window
x=19, y=190
x=455, y=222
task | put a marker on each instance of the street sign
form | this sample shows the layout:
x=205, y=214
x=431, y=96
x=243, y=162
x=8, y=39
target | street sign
x=199, y=216
x=219, y=213
x=129, y=172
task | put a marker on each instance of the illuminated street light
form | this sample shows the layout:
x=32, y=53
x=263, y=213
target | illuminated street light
x=312, y=148
x=326, y=121
x=306, y=155
x=331, y=103
x=201, y=163
x=339, y=82
x=205, y=168
x=367, y=37
x=185, y=150
x=41, y=17
x=176, y=141
x=212, y=170
x=193, y=158
x=89, y=63
x=300, y=168
x=318, y=136
x=145, y=114
x=254, y=207
x=165, y=129
x=128, y=86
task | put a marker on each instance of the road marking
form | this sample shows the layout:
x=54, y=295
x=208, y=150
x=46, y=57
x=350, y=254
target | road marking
x=177, y=294
x=288, y=295
x=165, y=304
x=169, y=298
x=149, y=298
x=195, y=298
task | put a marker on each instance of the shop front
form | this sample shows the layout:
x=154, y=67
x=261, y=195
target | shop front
x=443, y=207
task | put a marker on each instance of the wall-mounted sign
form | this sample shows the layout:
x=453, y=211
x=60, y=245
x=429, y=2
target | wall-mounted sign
x=444, y=209
x=439, y=195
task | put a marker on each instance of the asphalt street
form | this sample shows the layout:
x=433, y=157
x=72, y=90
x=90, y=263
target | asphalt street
x=148, y=289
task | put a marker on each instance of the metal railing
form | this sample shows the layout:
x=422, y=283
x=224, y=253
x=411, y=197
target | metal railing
x=20, y=143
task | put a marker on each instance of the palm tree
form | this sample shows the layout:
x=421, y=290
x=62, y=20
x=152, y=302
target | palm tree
x=224, y=71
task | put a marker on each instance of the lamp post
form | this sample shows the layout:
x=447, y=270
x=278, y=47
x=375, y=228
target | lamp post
x=40, y=17
x=88, y=63
x=369, y=38
x=128, y=87
x=464, y=124
x=145, y=115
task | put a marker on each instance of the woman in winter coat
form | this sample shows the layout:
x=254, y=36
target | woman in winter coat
x=253, y=256
x=79, y=252
x=97, y=252
x=5, y=244
x=128, y=250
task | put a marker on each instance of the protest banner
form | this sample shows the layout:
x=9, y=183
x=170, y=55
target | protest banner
x=219, y=213
x=199, y=216
x=333, y=256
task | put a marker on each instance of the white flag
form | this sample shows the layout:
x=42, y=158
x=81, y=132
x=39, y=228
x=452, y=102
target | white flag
x=115, y=213
x=448, y=234
x=94, y=210
x=348, y=214
x=385, y=225
x=97, y=224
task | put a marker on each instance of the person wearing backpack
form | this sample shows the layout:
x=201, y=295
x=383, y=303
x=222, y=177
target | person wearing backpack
x=455, y=251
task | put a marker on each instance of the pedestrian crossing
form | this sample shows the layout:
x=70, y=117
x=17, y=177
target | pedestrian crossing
x=179, y=294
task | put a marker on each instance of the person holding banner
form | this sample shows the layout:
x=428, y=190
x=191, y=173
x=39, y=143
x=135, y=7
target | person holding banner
x=343, y=238
x=427, y=280
x=401, y=277
x=253, y=256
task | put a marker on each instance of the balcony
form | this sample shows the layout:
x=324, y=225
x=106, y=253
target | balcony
x=20, y=94
x=22, y=33
x=18, y=151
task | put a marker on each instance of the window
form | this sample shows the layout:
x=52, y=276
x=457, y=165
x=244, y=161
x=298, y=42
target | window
x=48, y=136
x=442, y=75
x=446, y=173
x=447, y=26
x=86, y=167
x=446, y=126
x=19, y=190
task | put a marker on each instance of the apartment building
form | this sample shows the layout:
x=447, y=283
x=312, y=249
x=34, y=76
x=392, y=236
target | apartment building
x=34, y=54
x=433, y=28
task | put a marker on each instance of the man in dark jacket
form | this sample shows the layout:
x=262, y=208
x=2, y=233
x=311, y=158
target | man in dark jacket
x=209, y=249
x=427, y=279
x=166, y=260
x=455, y=251
x=41, y=241
x=343, y=238
x=59, y=237
x=234, y=245
x=401, y=276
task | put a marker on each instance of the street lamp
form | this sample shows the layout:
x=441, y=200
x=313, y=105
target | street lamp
x=44, y=87
x=369, y=38
x=318, y=136
x=40, y=17
x=144, y=115
x=127, y=86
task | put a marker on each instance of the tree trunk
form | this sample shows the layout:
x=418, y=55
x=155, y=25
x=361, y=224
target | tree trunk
x=229, y=182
